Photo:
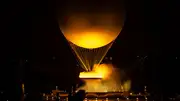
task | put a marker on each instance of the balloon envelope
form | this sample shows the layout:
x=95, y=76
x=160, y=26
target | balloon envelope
x=90, y=23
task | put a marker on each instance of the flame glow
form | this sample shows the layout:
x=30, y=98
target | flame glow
x=99, y=71
x=104, y=70
x=104, y=78
x=90, y=75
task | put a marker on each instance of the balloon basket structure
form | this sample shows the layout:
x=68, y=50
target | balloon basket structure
x=95, y=82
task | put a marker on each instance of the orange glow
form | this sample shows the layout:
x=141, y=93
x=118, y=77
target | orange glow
x=90, y=75
x=127, y=85
x=104, y=70
x=92, y=32
x=104, y=78
x=89, y=39
x=90, y=23
x=99, y=71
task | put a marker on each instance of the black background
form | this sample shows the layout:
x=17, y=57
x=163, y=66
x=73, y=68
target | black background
x=29, y=31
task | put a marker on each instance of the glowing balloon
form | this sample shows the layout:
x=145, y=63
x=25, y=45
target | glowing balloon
x=90, y=23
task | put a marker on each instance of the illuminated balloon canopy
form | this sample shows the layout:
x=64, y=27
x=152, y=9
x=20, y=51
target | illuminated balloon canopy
x=90, y=25
x=91, y=31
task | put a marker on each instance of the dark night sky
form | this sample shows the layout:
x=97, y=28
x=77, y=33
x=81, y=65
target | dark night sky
x=30, y=32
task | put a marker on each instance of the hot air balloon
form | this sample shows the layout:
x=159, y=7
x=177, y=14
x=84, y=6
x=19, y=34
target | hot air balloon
x=90, y=27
